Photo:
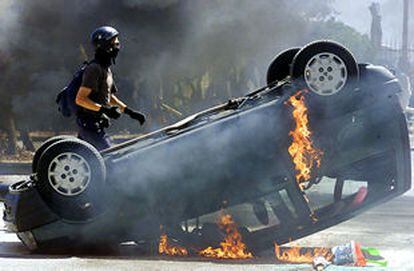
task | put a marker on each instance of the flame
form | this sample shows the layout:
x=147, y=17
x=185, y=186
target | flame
x=304, y=155
x=164, y=248
x=232, y=246
x=301, y=255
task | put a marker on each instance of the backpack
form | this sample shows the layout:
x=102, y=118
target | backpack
x=66, y=98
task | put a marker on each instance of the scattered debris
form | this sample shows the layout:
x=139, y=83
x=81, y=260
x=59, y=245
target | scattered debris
x=300, y=254
x=320, y=263
x=349, y=254
x=373, y=257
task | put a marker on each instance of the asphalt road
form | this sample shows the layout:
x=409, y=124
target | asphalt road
x=388, y=227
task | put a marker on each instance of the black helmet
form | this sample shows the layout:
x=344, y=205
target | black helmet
x=101, y=37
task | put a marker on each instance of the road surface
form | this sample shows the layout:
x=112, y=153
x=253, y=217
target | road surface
x=388, y=227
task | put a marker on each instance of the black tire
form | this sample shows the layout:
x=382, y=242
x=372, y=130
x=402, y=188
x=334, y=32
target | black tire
x=279, y=68
x=341, y=58
x=44, y=146
x=85, y=177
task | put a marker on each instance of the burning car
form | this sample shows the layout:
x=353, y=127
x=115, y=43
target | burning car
x=325, y=140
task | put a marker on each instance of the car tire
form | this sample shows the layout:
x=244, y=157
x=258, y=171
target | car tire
x=327, y=69
x=71, y=179
x=44, y=146
x=280, y=66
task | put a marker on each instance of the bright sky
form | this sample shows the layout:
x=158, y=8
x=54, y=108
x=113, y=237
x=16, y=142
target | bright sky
x=356, y=14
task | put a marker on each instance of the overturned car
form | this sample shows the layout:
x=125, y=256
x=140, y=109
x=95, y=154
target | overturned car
x=235, y=156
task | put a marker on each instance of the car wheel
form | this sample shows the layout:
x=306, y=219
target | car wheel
x=326, y=68
x=44, y=146
x=279, y=68
x=71, y=179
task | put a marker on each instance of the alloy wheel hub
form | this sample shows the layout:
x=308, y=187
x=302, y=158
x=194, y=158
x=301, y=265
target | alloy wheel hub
x=69, y=174
x=326, y=74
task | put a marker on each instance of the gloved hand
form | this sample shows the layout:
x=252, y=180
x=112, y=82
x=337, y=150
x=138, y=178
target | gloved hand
x=111, y=111
x=136, y=115
x=105, y=121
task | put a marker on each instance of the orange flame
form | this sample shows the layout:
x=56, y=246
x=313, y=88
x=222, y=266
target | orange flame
x=164, y=248
x=304, y=155
x=301, y=255
x=232, y=246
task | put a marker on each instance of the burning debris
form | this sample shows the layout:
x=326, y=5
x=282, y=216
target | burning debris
x=232, y=246
x=349, y=254
x=304, y=155
x=320, y=263
x=165, y=248
x=301, y=255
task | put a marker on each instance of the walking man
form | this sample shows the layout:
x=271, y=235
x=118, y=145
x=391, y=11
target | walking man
x=96, y=97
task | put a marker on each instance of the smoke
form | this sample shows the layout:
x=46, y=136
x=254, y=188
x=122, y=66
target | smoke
x=193, y=173
x=164, y=44
x=150, y=3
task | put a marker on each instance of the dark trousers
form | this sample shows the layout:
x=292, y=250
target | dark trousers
x=91, y=129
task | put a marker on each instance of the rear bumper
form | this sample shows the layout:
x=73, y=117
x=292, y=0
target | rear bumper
x=35, y=224
x=24, y=209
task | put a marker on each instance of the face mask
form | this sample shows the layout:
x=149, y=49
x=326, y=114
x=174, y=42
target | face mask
x=114, y=47
x=108, y=55
x=114, y=52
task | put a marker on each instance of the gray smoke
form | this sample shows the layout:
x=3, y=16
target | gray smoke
x=150, y=3
x=167, y=47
